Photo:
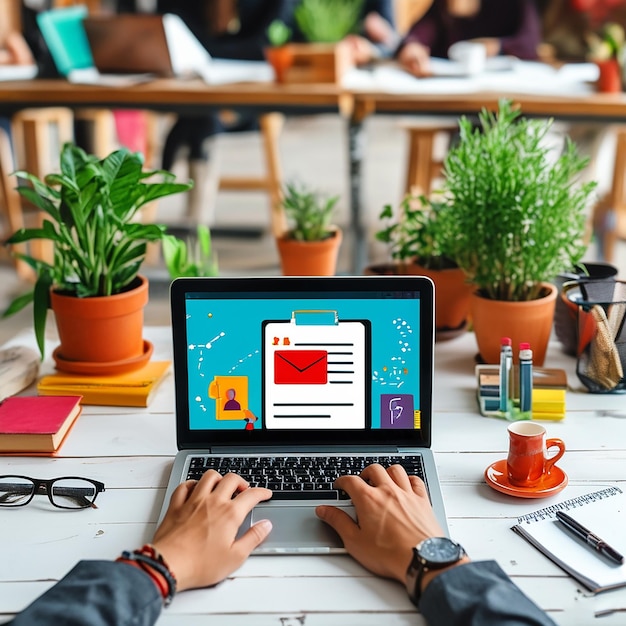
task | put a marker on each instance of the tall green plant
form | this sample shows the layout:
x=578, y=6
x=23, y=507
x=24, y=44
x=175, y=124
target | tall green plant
x=90, y=209
x=327, y=21
x=517, y=212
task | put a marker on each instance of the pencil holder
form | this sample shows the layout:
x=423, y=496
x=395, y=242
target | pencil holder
x=601, y=347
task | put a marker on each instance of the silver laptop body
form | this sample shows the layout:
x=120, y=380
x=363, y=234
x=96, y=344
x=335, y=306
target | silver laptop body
x=303, y=370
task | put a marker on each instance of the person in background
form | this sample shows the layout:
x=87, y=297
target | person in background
x=507, y=28
x=197, y=546
x=228, y=29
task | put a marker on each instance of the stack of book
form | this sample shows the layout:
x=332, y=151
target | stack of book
x=36, y=424
x=131, y=389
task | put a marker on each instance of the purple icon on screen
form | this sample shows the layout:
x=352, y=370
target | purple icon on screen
x=396, y=410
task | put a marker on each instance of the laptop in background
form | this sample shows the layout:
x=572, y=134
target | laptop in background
x=305, y=377
x=121, y=49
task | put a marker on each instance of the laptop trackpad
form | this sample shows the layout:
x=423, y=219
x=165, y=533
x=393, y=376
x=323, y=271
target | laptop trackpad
x=296, y=530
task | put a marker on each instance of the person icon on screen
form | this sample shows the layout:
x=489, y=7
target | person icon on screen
x=231, y=403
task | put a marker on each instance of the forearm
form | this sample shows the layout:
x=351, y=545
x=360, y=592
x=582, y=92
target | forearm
x=478, y=593
x=523, y=44
x=96, y=593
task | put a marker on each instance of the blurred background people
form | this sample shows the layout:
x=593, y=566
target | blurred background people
x=507, y=28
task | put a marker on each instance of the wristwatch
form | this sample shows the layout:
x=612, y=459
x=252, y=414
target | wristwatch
x=431, y=554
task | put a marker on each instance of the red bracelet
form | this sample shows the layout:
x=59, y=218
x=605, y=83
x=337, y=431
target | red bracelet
x=148, y=559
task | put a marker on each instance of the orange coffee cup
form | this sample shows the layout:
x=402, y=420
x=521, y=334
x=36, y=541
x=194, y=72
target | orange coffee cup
x=528, y=459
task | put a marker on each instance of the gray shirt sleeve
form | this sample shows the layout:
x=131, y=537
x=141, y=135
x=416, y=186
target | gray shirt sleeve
x=96, y=593
x=478, y=593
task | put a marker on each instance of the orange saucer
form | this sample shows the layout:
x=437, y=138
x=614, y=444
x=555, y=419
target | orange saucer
x=497, y=478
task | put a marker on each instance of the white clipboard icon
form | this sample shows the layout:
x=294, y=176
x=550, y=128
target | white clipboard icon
x=317, y=372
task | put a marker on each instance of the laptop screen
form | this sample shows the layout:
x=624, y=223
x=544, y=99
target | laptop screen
x=319, y=360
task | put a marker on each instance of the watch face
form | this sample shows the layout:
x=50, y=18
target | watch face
x=439, y=550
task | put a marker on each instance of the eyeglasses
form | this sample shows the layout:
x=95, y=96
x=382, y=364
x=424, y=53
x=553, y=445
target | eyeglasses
x=68, y=492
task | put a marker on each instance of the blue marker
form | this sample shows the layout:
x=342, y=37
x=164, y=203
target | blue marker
x=506, y=363
x=525, y=378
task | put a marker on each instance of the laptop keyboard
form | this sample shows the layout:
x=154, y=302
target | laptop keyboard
x=299, y=477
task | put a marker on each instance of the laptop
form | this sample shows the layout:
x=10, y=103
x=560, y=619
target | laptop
x=293, y=381
x=123, y=49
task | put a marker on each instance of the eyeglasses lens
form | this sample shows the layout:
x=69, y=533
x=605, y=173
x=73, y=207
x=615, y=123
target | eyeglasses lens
x=15, y=491
x=73, y=493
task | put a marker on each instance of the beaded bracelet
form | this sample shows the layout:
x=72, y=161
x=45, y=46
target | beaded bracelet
x=148, y=559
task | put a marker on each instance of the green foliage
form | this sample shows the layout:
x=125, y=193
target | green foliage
x=278, y=33
x=517, y=212
x=327, y=21
x=418, y=233
x=191, y=257
x=310, y=214
x=89, y=209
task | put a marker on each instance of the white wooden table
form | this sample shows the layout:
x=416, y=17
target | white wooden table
x=131, y=451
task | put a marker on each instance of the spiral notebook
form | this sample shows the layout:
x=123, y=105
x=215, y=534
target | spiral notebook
x=604, y=513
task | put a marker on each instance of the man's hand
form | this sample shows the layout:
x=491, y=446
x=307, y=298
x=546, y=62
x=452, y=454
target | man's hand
x=415, y=58
x=197, y=537
x=393, y=513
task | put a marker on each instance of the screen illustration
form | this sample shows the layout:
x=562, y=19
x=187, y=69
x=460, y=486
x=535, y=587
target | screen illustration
x=303, y=363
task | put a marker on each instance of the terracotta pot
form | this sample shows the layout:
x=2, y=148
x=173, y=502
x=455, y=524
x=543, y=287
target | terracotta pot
x=529, y=321
x=309, y=258
x=610, y=78
x=107, y=329
x=393, y=269
x=452, y=296
x=281, y=59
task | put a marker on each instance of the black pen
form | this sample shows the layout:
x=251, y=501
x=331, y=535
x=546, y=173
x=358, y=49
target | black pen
x=590, y=538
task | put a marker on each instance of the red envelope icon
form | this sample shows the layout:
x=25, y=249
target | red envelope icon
x=300, y=367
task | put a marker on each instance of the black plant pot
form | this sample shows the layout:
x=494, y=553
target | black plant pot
x=565, y=319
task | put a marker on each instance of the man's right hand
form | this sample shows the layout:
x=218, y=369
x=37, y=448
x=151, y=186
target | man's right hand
x=394, y=514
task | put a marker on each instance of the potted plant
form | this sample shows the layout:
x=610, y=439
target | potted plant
x=92, y=283
x=418, y=244
x=193, y=256
x=323, y=24
x=606, y=50
x=516, y=221
x=279, y=53
x=311, y=245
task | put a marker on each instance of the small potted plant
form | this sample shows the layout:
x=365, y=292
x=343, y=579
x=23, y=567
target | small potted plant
x=324, y=24
x=311, y=244
x=279, y=53
x=517, y=217
x=92, y=283
x=417, y=236
x=606, y=50
x=193, y=256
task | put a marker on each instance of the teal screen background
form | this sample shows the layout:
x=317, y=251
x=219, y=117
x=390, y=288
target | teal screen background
x=224, y=338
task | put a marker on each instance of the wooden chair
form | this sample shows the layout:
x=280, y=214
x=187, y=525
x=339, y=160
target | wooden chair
x=271, y=182
x=609, y=217
x=10, y=204
x=423, y=166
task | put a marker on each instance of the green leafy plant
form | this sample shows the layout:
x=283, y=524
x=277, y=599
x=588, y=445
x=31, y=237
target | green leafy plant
x=517, y=213
x=278, y=33
x=417, y=233
x=193, y=256
x=309, y=212
x=327, y=21
x=90, y=212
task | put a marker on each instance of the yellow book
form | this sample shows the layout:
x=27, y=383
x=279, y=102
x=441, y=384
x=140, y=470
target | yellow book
x=130, y=389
